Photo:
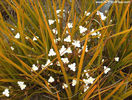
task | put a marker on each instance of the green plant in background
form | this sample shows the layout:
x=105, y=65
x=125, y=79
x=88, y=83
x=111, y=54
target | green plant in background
x=65, y=49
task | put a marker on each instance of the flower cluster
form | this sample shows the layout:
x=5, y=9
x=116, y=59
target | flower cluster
x=68, y=46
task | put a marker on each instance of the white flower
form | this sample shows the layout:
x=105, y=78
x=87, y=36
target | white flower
x=106, y=11
x=64, y=86
x=87, y=13
x=35, y=38
x=51, y=21
x=76, y=43
x=79, y=50
x=12, y=29
x=6, y=92
x=34, y=68
x=65, y=60
x=90, y=80
x=21, y=84
x=106, y=69
x=12, y=48
x=47, y=63
x=86, y=50
x=17, y=36
x=51, y=79
x=99, y=34
x=51, y=52
x=58, y=11
x=86, y=88
x=117, y=59
x=72, y=67
x=26, y=37
x=69, y=50
x=58, y=63
x=62, y=50
x=86, y=73
x=103, y=17
x=68, y=39
x=102, y=60
x=82, y=29
x=70, y=25
x=93, y=34
x=55, y=31
x=67, y=32
x=74, y=82
x=56, y=40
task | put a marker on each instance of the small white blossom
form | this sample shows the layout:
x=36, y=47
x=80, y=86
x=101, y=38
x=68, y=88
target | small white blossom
x=82, y=29
x=76, y=43
x=47, y=63
x=26, y=37
x=86, y=88
x=6, y=92
x=68, y=39
x=34, y=68
x=65, y=60
x=106, y=69
x=103, y=17
x=17, y=36
x=51, y=52
x=74, y=82
x=51, y=21
x=21, y=84
x=58, y=11
x=12, y=29
x=106, y=11
x=58, y=39
x=62, y=50
x=72, y=67
x=86, y=73
x=55, y=31
x=86, y=50
x=64, y=86
x=93, y=34
x=90, y=80
x=87, y=13
x=67, y=32
x=58, y=63
x=70, y=25
x=35, y=38
x=79, y=50
x=68, y=50
x=51, y=79
x=117, y=59
x=12, y=48
x=102, y=60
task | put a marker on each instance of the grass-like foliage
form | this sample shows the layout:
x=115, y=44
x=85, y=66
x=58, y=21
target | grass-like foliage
x=65, y=49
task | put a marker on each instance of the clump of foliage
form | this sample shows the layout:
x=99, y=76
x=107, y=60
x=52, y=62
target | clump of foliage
x=65, y=49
